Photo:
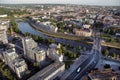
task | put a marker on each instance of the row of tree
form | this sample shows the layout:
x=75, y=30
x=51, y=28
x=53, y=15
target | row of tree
x=40, y=39
x=110, y=31
x=107, y=53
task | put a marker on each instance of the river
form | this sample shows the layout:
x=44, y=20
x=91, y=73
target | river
x=25, y=27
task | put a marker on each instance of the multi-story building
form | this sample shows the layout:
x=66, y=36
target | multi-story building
x=17, y=64
x=83, y=32
x=46, y=25
x=9, y=55
x=53, y=53
x=50, y=27
x=32, y=51
x=28, y=45
x=50, y=72
x=3, y=36
x=53, y=28
x=19, y=67
x=39, y=54
x=4, y=25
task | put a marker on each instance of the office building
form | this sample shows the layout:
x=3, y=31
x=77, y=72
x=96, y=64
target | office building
x=4, y=26
x=19, y=67
x=28, y=45
x=39, y=54
x=9, y=55
x=3, y=36
x=53, y=53
x=83, y=32
x=17, y=64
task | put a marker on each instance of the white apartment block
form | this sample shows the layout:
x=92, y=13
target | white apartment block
x=3, y=36
x=17, y=64
x=20, y=67
x=28, y=45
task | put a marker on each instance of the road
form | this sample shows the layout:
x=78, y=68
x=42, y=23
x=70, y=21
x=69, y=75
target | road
x=88, y=64
x=93, y=60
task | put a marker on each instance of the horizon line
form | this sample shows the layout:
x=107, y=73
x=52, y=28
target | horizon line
x=56, y=4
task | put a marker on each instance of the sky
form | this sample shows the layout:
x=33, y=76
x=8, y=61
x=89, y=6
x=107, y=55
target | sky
x=84, y=2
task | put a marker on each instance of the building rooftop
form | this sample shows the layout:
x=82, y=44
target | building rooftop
x=53, y=46
x=86, y=30
x=10, y=51
x=41, y=75
x=18, y=62
x=28, y=38
x=38, y=50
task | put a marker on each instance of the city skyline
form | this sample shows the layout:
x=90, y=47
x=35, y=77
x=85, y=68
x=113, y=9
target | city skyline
x=84, y=2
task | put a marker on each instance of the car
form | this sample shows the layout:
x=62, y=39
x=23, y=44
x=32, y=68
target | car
x=78, y=70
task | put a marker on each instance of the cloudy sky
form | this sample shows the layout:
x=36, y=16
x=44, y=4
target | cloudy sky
x=87, y=2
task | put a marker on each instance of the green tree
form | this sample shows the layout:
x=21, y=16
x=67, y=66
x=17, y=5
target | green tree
x=106, y=53
x=79, y=47
x=75, y=55
x=11, y=30
x=7, y=72
x=60, y=51
x=63, y=49
x=51, y=40
x=3, y=66
x=114, y=55
x=108, y=31
x=62, y=30
x=13, y=78
x=112, y=39
x=14, y=26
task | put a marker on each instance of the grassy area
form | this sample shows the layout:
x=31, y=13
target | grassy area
x=112, y=44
